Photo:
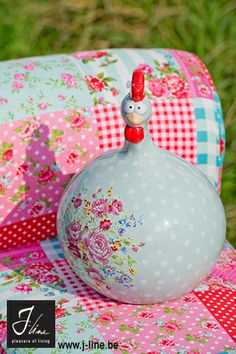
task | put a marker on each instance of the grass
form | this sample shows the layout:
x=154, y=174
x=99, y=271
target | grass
x=207, y=28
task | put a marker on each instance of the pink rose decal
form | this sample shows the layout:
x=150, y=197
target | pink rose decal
x=94, y=274
x=74, y=230
x=99, y=207
x=77, y=203
x=94, y=83
x=96, y=242
x=105, y=224
x=97, y=247
x=115, y=208
x=46, y=176
x=74, y=248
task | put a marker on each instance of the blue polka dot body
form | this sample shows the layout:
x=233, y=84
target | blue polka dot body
x=141, y=225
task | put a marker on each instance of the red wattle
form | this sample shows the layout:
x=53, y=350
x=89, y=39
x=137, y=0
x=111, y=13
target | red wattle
x=134, y=134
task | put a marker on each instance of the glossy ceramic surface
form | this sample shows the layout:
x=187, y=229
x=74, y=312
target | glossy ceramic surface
x=141, y=225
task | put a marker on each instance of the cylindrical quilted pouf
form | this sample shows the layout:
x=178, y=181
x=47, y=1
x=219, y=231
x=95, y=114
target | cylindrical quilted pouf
x=59, y=112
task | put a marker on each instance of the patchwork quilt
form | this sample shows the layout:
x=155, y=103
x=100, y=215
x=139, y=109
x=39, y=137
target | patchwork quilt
x=59, y=112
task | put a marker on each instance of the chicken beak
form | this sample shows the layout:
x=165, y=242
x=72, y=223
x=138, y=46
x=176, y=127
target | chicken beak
x=134, y=118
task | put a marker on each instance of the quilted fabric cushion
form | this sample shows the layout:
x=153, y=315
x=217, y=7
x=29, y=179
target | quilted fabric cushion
x=59, y=112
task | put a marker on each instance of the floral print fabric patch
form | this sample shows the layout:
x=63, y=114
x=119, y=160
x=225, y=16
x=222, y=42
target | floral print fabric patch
x=196, y=323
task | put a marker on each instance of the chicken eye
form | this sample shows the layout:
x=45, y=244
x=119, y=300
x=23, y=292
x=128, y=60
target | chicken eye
x=129, y=107
x=141, y=108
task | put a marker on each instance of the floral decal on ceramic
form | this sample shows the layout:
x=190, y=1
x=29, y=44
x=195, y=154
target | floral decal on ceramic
x=98, y=237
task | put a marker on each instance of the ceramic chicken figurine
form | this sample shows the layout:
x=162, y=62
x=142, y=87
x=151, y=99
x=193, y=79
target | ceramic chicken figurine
x=141, y=225
x=135, y=109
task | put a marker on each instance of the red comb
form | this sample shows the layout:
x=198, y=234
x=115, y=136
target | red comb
x=137, y=87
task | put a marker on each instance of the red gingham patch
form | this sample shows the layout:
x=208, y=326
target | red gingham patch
x=222, y=305
x=89, y=299
x=28, y=231
x=172, y=127
x=110, y=126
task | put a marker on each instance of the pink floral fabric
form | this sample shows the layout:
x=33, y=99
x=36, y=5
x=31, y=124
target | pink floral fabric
x=199, y=322
x=38, y=162
x=60, y=112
